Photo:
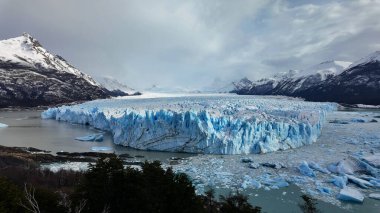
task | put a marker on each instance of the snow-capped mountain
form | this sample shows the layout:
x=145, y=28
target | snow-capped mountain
x=358, y=84
x=31, y=76
x=303, y=79
x=114, y=85
x=338, y=81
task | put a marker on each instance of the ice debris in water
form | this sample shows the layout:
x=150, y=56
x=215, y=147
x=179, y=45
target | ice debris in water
x=373, y=160
x=3, y=125
x=360, y=182
x=317, y=167
x=219, y=124
x=101, y=148
x=324, y=190
x=305, y=169
x=350, y=194
x=374, y=196
x=94, y=137
x=339, y=181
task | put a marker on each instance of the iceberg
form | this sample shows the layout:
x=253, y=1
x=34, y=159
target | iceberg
x=373, y=160
x=317, y=167
x=350, y=194
x=360, y=182
x=339, y=181
x=306, y=170
x=324, y=190
x=3, y=125
x=374, y=196
x=95, y=137
x=219, y=124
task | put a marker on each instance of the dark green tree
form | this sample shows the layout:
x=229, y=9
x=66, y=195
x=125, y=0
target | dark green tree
x=10, y=197
x=308, y=205
x=152, y=189
x=237, y=203
x=102, y=186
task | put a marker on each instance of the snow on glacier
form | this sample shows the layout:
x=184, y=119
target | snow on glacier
x=218, y=124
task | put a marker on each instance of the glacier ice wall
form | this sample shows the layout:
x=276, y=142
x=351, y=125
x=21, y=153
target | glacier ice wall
x=220, y=124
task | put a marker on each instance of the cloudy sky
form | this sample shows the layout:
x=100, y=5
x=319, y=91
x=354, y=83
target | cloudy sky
x=191, y=43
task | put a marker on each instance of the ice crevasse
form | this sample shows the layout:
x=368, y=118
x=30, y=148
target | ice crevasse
x=212, y=125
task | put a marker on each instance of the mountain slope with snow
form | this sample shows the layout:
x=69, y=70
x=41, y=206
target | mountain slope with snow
x=338, y=81
x=31, y=76
x=113, y=84
x=358, y=84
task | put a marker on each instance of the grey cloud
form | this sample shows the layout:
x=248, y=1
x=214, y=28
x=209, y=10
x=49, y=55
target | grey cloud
x=189, y=44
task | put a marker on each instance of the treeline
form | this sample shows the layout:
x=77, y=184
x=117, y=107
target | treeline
x=109, y=187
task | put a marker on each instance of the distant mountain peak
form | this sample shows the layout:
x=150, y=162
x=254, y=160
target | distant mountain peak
x=113, y=84
x=27, y=51
x=373, y=57
x=32, y=76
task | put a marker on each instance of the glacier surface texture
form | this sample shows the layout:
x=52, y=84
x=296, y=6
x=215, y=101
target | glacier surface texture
x=213, y=124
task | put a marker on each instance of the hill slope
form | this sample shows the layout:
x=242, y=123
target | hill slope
x=31, y=76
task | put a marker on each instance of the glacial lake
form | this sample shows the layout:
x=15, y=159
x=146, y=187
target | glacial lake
x=27, y=129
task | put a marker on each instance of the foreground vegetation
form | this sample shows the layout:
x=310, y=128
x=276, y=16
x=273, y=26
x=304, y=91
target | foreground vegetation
x=106, y=187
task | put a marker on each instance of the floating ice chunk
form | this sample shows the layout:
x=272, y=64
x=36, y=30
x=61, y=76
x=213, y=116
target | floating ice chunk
x=352, y=165
x=95, y=137
x=281, y=183
x=350, y=194
x=373, y=160
x=250, y=182
x=324, y=190
x=360, y=182
x=332, y=168
x=254, y=165
x=345, y=167
x=101, y=148
x=374, y=181
x=317, y=167
x=374, y=196
x=298, y=179
x=339, y=181
x=305, y=169
x=3, y=125
x=358, y=120
x=274, y=183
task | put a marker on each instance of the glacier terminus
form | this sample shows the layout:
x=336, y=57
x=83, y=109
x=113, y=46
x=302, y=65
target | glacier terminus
x=201, y=123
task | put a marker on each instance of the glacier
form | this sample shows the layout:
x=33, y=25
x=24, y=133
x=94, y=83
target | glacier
x=209, y=124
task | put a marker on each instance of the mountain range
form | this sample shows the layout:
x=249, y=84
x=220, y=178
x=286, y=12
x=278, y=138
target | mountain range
x=335, y=81
x=31, y=76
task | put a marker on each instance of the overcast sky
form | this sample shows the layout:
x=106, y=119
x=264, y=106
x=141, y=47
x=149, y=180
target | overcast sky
x=191, y=43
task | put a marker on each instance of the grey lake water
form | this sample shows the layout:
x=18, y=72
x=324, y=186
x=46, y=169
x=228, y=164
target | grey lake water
x=27, y=129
